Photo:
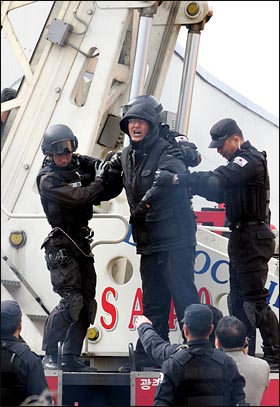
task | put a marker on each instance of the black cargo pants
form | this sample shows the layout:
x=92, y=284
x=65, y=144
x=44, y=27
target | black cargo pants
x=73, y=277
x=250, y=248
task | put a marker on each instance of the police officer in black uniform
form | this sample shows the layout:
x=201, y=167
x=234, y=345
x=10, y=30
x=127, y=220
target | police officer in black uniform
x=69, y=186
x=22, y=374
x=157, y=348
x=198, y=374
x=243, y=184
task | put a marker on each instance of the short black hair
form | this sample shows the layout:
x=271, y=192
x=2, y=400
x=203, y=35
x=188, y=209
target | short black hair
x=231, y=332
x=217, y=315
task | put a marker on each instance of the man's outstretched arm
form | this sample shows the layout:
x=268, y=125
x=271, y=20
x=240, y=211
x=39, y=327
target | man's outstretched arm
x=155, y=347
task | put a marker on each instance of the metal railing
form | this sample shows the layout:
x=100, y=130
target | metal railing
x=95, y=215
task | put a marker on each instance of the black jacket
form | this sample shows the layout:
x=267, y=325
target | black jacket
x=155, y=347
x=169, y=222
x=26, y=369
x=242, y=184
x=68, y=193
x=200, y=376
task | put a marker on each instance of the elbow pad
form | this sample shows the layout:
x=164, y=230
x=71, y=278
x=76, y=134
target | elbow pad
x=207, y=185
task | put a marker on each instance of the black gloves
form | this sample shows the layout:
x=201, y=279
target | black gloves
x=176, y=151
x=185, y=151
x=101, y=168
x=140, y=212
x=163, y=178
x=192, y=156
x=115, y=160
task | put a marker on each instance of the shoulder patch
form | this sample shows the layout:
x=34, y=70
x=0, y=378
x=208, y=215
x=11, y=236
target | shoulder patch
x=240, y=161
x=181, y=138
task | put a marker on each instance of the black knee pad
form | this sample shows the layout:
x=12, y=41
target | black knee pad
x=263, y=310
x=73, y=304
x=250, y=312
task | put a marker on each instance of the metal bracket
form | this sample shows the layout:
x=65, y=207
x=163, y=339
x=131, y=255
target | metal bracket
x=59, y=32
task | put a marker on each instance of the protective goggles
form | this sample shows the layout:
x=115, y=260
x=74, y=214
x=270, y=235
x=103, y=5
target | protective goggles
x=135, y=120
x=64, y=146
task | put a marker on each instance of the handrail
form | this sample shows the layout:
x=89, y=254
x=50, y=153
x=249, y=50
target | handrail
x=214, y=228
x=22, y=215
x=104, y=215
x=98, y=215
x=95, y=215
x=122, y=218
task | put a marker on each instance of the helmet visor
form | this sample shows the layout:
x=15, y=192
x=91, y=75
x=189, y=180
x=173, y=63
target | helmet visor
x=64, y=146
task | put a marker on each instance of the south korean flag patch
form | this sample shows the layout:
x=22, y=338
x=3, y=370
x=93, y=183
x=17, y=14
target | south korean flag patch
x=240, y=161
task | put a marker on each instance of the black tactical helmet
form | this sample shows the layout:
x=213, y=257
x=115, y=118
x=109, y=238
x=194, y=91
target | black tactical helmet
x=59, y=139
x=147, y=99
x=8, y=94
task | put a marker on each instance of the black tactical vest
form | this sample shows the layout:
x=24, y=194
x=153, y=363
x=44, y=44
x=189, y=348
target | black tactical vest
x=12, y=390
x=61, y=215
x=205, y=378
x=250, y=202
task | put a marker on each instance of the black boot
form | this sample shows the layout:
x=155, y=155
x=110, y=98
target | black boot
x=269, y=330
x=50, y=362
x=142, y=362
x=72, y=363
x=271, y=356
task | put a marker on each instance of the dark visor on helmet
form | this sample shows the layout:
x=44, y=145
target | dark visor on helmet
x=64, y=146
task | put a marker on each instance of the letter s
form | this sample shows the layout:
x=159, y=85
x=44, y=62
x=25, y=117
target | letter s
x=109, y=308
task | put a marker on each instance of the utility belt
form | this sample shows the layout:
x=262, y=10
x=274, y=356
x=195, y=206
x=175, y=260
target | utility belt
x=241, y=224
x=83, y=232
